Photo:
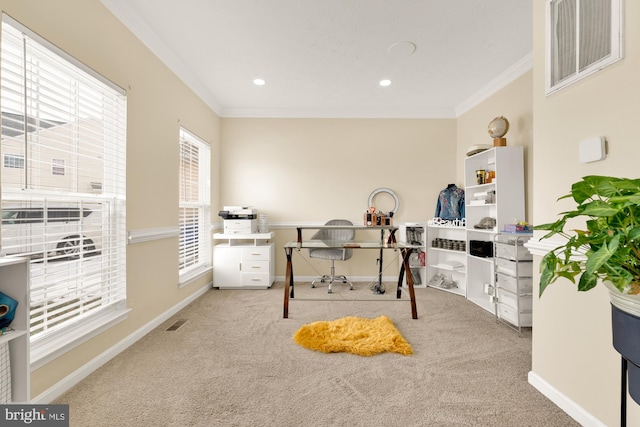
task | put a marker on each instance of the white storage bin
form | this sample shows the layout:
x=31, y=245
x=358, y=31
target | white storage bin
x=514, y=268
x=511, y=315
x=511, y=299
x=510, y=283
x=512, y=251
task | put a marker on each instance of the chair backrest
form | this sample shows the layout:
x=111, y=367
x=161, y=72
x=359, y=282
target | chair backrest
x=335, y=234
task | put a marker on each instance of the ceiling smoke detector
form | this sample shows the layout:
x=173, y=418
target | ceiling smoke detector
x=401, y=49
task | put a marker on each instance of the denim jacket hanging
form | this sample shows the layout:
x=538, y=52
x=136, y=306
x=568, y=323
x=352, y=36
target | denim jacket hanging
x=450, y=203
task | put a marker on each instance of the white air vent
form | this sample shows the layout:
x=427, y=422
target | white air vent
x=583, y=36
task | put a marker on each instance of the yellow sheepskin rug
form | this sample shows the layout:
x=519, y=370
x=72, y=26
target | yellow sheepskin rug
x=366, y=337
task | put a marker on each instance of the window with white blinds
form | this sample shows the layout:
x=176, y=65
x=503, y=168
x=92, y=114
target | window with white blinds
x=194, y=206
x=583, y=36
x=63, y=132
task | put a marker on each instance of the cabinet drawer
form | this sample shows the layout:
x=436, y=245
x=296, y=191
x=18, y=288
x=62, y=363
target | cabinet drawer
x=514, y=268
x=512, y=252
x=256, y=252
x=511, y=283
x=511, y=315
x=510, y=299
x=256, y=279
x=254, y=266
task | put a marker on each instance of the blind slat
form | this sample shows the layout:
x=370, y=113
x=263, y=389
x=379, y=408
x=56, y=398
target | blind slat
x=63, y=205
x=194, y=202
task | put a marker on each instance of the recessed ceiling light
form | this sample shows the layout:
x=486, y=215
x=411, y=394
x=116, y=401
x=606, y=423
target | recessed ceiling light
x=385, y=82
x=259, y=82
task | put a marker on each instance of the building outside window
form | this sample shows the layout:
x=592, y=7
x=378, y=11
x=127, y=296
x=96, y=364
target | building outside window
x=57, y=167
x=63, y=188
x=13, y=161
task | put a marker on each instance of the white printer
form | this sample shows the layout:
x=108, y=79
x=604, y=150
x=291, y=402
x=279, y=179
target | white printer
x=239, y=219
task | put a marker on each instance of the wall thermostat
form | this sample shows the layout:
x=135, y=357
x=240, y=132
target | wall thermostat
x=592, y=149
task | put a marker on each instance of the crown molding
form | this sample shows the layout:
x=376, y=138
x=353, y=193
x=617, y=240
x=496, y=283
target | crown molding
x=127, y=15
x=512, y=73
x=352, y=113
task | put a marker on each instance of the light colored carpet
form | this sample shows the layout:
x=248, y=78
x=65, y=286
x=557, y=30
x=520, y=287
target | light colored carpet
x=234, y=363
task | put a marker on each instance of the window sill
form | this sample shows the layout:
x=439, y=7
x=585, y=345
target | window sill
x=191, y=275
x=46, y=349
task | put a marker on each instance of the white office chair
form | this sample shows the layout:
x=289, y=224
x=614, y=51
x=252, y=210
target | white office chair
x=333, y=254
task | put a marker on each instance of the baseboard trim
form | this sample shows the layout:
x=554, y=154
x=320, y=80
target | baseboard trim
x=84, y=371
x=574, y=410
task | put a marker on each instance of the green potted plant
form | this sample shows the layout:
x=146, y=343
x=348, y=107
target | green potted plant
x=608, y=251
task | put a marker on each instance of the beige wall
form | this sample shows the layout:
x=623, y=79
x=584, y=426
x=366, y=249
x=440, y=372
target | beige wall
x=514, y=102
x=311, y=170
x=157, y=104
x=572, y=348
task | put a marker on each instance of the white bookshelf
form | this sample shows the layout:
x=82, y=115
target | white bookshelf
x=504, y=201
x=14, y=282
x=446, y=258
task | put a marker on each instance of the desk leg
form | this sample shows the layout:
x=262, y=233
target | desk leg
x=379, y=289
x=288, y=282
x=412, y=294
x=400, y=277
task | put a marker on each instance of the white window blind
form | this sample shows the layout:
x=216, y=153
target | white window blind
x=195, y=204
x=583, y=36
x=69, y=127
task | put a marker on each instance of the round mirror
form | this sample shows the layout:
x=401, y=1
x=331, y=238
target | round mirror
x=382, y=205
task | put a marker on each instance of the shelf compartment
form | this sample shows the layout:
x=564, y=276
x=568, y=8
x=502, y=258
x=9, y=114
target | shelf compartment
x=483, y=259
x=450, y=251
x=483, y=230
x=12, y=335
x=448, y=267
x=477, y=203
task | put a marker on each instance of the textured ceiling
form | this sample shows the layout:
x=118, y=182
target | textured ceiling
x=324, y=58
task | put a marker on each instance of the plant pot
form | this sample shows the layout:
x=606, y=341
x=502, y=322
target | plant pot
x=625, y=302
x=626, y=341
x=625, y=324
